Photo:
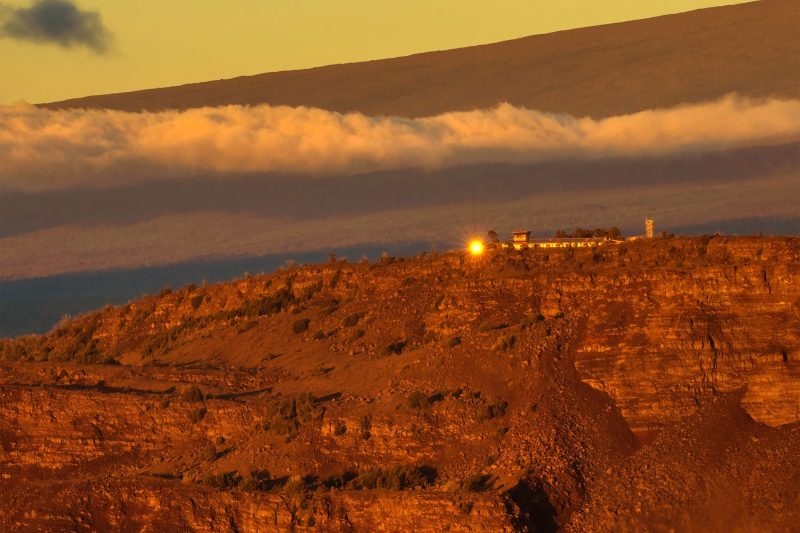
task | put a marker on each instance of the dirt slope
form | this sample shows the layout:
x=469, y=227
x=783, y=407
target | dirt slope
x=600, y=71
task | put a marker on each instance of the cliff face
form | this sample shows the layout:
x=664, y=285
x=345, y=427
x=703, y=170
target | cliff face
x=661, y=344
x=500, y=392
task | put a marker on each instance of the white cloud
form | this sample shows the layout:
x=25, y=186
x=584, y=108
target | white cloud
x=42, y=149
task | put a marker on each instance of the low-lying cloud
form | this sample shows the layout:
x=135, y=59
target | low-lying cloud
x=44, y=149
x=55, y=21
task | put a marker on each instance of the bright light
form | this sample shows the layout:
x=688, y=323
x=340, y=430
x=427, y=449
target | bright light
x=476, y=247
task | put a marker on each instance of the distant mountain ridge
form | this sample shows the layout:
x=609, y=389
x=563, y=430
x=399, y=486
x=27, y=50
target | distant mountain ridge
x=751, y=49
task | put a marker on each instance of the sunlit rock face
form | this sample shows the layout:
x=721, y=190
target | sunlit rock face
x=538, y=390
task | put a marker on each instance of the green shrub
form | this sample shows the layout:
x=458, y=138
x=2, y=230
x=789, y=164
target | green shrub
x=300, y=326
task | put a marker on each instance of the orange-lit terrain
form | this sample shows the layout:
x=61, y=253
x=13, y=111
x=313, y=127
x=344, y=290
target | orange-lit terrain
x=649, y=385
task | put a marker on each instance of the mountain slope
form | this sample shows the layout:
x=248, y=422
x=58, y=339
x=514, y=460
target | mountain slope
x=600, y=71
x=444, y=392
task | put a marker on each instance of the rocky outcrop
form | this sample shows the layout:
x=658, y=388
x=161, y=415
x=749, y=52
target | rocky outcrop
x=491, y=393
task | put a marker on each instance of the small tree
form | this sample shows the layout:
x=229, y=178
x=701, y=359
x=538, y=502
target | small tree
x=491, y=237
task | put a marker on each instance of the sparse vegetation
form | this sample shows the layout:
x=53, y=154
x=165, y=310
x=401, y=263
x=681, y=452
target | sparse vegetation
x=191, y=393
x=492, y=410
x=395, y=348
x=455, y=341
x=285, y=416
x=417, y=400
x=365, y=425
x=257, y=480
x=394, y=478
x=352, y=320
x=612, y=233
x=473, y=483
x=196, y=415
x=300, y=325
x=225, y=481
x=334, y=281
x=505, y=343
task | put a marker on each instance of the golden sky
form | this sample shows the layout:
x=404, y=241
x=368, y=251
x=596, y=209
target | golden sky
x=157, y=43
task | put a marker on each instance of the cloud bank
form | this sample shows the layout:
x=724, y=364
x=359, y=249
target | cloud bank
x=50, y=150
x=55, y=21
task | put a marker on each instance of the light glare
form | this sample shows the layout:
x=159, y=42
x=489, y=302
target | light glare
x=476, y=247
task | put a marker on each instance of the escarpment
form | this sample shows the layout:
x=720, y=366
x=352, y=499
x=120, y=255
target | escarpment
x=509, y=391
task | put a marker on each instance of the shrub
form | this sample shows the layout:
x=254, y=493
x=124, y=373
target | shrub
x=492, y=410
x=209, y=453
x=195, y=301
x=225, y=481
x=285, y=416
x=365, y=425
x=394, y=478
x=191, y=393
x=335, y=279
x=339, y=429
x=473, y=483
x=197, y=415
x=455, y=341
x=357, y=334
x=352, y=320
x=395, y=348
x=270, y=305
x=295, y=487
x=417, y=400
x=506, y=343
x=300, y=325
x=257, y=480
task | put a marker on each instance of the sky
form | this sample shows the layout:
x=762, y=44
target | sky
x=58, y=49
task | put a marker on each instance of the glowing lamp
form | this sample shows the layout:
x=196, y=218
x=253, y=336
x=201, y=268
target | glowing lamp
x=476, y=247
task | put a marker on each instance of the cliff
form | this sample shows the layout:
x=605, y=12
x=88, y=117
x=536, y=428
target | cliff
x=581, y=389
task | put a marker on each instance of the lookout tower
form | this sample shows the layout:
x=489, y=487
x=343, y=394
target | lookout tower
x=648, y=228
